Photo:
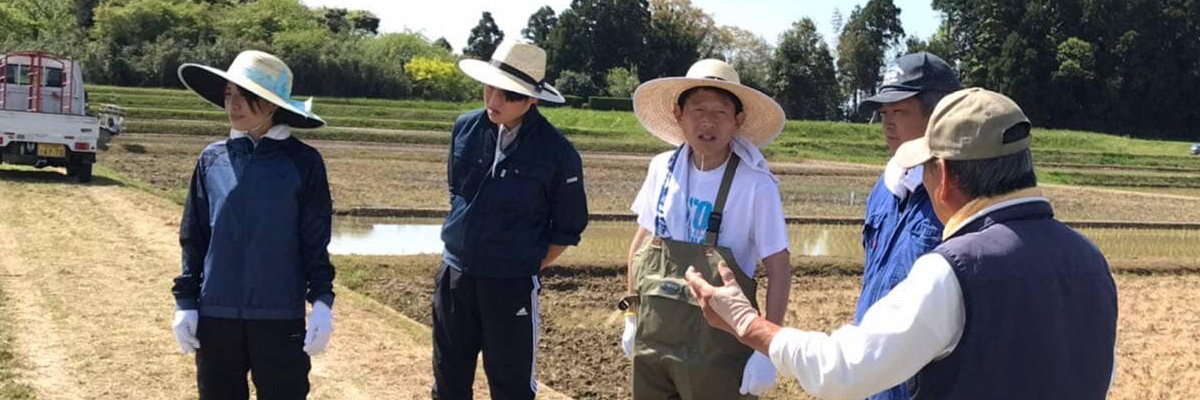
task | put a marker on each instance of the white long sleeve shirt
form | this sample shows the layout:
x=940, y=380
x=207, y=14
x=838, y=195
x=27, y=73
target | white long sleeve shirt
x=919, y=321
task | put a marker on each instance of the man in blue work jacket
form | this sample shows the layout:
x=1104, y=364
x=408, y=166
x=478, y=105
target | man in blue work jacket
x=516, y=202
x=900, y=224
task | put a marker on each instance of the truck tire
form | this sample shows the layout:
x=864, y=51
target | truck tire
x=85, y=173
x=105, y=138
x=81, y=171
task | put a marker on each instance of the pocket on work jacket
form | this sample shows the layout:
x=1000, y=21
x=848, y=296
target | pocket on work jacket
x=522, y=190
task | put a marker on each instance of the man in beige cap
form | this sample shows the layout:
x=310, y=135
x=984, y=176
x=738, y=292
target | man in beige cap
x=711, y=199
x=516, y=203
x=1012, y=305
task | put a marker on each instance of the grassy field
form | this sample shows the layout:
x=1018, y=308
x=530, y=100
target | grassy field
x=427, y=122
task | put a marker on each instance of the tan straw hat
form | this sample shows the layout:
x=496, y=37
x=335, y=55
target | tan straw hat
x=515, y=67
x=260, y=73
x=970, y=124
x=654, y=103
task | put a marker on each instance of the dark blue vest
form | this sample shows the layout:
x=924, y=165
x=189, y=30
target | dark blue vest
x=1041, y=311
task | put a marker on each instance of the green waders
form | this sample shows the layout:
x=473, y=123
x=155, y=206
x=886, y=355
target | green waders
x=677, y=355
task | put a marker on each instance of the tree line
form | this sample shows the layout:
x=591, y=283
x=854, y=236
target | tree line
x=331, y=51
x=1119, y=66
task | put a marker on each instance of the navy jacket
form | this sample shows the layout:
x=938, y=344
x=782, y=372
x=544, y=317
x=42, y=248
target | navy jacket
x=893, y=239
x=500, y=225
x=255, y=231
x=1040, y=307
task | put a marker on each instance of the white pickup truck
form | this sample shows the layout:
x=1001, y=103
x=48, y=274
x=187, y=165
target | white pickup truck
x=44, y=120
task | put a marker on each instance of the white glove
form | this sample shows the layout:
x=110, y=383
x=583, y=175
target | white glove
x=185, y=330
x=627, y=336
x=758, y=376
x=320, y=328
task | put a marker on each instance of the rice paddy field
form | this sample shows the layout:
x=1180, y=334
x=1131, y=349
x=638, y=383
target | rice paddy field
x=390, y=155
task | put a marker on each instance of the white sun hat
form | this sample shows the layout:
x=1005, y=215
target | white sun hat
x=260, y=73
x=654, y=103
x=515, y=67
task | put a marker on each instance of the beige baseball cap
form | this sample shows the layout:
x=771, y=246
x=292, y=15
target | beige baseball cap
x=967, y=125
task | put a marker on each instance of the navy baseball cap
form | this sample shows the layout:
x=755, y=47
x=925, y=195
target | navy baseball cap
x=911, y=74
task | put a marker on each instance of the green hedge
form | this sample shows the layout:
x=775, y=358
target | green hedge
x=397, y=119
x=118, y=91
x=610, y=103
x=221, y=129
x=575, y=101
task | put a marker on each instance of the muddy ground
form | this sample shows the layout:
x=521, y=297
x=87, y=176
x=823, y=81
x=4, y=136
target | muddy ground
x=1159, y=345
x=1159, y=348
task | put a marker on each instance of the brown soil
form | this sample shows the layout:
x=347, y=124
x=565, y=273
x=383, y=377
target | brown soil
x=580, y=353
x=87, y=272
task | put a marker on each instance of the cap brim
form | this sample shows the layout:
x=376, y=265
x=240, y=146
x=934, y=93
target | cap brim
x=871, y=104
x=913, y=153
x=654, y=105
x=210, y=82
x=489, y=75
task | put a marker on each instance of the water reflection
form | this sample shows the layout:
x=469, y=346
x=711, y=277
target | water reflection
x=826, y=240
x=818, y=246
x=609, y=241
x=385, y=239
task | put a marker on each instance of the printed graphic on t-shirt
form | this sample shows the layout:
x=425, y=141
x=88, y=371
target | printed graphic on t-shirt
x=699, y=210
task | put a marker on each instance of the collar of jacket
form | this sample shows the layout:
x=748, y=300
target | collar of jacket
x=277, y=132
x=247, y=146
x=530, y=123
x=977, y=208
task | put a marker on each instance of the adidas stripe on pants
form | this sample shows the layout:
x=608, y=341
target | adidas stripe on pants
x=498, y=316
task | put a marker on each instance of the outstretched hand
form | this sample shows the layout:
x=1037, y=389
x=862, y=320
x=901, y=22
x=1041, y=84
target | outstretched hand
x=726, y=307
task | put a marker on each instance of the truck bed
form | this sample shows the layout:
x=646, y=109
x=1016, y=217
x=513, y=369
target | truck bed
x=20, y=126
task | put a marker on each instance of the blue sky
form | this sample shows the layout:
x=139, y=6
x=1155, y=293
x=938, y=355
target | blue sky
x=455, y=18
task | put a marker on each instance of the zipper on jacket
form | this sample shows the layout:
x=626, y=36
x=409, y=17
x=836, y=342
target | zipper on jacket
x=472, y=235
x=242, y=298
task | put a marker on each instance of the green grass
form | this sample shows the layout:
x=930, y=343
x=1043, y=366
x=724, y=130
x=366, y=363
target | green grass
x=620, y=131
x=210, y=113
x=134, y=92
x=1146, y=180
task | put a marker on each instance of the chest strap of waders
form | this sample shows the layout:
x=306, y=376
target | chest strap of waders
x=714, y=218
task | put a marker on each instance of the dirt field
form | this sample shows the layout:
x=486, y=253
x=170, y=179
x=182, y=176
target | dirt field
x=413, y=176
x=1158, y=350
x=87, y=270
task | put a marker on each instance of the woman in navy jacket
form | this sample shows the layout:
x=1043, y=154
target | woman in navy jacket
x=255, y=230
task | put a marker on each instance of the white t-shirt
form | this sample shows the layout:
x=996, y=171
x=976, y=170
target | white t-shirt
x=752, y=226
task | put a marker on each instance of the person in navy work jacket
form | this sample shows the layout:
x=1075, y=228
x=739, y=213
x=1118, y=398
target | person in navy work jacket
x=255, y=229
x=900, y=224
x=516, y=202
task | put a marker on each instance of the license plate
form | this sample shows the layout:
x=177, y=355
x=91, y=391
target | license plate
x=52, y=151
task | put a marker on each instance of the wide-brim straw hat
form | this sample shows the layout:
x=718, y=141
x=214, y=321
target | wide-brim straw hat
x=260, y=73
x=654, y=103
x=516, y=67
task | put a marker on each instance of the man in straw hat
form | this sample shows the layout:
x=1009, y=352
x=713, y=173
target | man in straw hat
x=255, y=229
x=711, y=199
x=1012, y=305
x=899, y=223
x=516, y=203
